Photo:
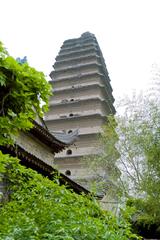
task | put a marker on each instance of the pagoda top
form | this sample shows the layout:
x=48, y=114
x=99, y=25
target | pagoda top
x=83, y=35
x=87, y=34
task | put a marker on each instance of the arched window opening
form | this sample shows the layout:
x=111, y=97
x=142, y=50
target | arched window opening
x=69, y=152
x=68, y=172
x=70, y=131
x=72, y=100
x=71, y=115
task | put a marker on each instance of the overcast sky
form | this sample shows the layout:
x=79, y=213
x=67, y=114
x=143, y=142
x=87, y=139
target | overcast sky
x=128, y=32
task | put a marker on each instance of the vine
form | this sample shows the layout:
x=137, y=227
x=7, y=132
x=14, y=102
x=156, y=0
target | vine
x=41, y=209
x=22, y=91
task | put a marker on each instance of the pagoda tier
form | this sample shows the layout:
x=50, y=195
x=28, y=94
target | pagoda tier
x=82, y=99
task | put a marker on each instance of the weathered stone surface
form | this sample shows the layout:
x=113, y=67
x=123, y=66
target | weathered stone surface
x=82, y=99
x=33, y=145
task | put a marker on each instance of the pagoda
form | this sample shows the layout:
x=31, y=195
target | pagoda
x=82, y=99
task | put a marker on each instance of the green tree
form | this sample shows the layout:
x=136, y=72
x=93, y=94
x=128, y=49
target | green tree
x=102, y=166
x=138, y=131
x=138, y=145
x=22, y=91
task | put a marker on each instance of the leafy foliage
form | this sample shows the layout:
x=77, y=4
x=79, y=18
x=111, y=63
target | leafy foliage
x=22, y=90
x=103, y=165
x=138, y=131
x=139, y=144
x=144, y=216
x=139, y=147
x=41, y=209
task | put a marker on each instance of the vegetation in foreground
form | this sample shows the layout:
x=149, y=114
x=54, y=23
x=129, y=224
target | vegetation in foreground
x=41, y=209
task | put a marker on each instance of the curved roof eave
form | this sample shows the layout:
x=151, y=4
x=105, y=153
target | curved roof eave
x=68, y=139
x=57, y=143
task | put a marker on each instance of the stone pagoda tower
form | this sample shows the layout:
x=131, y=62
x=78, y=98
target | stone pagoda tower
x=82, y=98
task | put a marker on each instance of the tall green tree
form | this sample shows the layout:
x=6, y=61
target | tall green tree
x=128, y=142
x=22, y=91
x=138, y=130
x=102, y=166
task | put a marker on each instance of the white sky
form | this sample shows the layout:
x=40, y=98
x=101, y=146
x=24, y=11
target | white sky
x=128, y=32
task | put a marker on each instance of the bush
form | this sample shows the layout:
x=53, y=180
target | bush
x=41, y=209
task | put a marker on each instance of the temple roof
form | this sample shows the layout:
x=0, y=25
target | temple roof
x=56, y=141
x=29, y=160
